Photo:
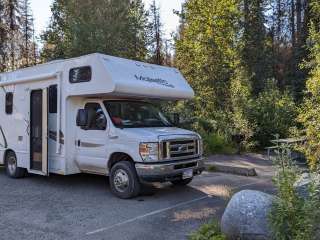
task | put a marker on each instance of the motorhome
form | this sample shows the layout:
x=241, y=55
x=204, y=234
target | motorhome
x=94, y=114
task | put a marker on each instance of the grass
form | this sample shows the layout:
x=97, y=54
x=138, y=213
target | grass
x=210, y=231
x=211, y=168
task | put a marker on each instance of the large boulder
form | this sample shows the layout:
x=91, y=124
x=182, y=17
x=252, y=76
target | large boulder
x=246, y=216
x=302, y=185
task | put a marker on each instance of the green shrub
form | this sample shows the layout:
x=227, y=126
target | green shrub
x=210, y=231
x=215, y=143
x=240, y=103
x=272, y=113
x=293, y=217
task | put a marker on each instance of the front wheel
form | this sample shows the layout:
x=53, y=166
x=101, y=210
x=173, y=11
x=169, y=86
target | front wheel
x=182, y=182
x=124, y=181
x=12, y=168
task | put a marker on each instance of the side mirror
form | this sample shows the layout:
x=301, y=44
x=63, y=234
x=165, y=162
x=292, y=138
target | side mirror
x=176, y=119
x=82, y=118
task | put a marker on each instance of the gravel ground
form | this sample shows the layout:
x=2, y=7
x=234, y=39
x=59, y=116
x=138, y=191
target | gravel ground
x=82, y=207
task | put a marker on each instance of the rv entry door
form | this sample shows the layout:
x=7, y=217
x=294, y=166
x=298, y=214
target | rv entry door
x=39, y=132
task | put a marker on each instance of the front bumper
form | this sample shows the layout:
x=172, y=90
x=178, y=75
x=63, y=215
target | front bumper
x=168, y=171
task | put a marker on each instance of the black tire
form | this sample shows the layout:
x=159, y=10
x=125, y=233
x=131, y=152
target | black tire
x=12, y=168
x=182, y=182
x=120, y=172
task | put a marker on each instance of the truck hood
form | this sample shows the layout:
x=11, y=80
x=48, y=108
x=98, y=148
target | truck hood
x=152, y=134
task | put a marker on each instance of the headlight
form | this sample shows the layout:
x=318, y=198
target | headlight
x=149, y=152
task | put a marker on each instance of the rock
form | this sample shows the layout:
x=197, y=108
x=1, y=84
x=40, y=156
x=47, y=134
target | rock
x=302, y=185
x=246, y=216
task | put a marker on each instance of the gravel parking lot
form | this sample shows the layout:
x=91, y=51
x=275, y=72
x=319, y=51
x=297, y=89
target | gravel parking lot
x=82, y=207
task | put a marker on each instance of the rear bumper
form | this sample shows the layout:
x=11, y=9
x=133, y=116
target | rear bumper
x=164, y=172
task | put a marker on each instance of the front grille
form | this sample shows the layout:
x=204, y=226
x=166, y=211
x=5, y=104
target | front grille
x=180, y=149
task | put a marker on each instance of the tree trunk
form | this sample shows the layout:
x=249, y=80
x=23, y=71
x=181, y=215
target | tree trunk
x=279, y=21
x=292, y=23
x=299, y=23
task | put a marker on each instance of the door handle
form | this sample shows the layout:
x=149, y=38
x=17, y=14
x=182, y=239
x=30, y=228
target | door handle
x=113, y=137
x=79, y=143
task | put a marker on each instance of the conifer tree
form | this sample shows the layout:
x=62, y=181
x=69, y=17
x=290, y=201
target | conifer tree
x=79, y=27
x=155, y=35
x=3, y=37
x=310, y=111
x=137, y=34
x=27, y=47
x=206, y=51
x=54, y=37
x=17, y=40
x=12, y=13
x=288, y=21
x=256, y=53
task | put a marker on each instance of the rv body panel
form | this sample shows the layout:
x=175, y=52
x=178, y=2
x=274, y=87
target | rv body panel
x=15, y=134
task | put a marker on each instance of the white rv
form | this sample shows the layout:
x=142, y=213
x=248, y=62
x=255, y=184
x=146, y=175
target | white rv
x=93, y=114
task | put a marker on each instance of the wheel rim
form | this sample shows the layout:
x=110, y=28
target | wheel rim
x=12, y=165
x=121, y=180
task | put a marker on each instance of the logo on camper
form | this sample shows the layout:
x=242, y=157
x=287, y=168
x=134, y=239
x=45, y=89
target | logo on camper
x=154, y=80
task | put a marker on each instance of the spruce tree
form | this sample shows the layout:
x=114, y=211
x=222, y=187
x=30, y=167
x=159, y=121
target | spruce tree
x=27, y=47
x=206, y=52
x=3, y=37
x=137, y=34
x=12, y=13
x=288, y=21
x=310, y=111
x=155, y=35
x=79, y=27
x=54, y=37
x=256, y=51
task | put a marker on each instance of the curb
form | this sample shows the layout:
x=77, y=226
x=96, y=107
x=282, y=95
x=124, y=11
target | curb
x=243, y=171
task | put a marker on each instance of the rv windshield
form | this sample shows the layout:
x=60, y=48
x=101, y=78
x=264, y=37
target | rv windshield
x=131, y=114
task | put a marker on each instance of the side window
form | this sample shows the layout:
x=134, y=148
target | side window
x=53, y=99
x=9, y=102
x=96, y=119
x=80, y=74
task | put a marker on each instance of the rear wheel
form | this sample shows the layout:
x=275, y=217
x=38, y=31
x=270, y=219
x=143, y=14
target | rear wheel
x=12, y=168
x=182, y=182
x=124, y=181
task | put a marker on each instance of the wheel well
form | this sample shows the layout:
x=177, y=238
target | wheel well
x=5, y=154
x=117, y=157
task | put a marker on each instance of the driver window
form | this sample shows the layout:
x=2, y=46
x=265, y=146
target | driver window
x=96, y=119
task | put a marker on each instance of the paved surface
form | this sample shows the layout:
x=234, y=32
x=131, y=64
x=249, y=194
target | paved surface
x=259, y=162
x=82, y=207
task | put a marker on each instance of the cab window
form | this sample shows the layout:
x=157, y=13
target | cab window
x=96, y=118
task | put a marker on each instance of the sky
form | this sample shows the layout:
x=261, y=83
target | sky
x=41, y=13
